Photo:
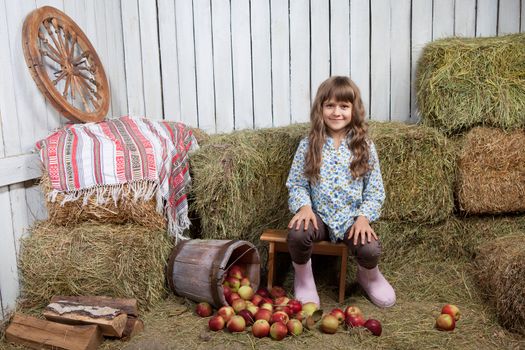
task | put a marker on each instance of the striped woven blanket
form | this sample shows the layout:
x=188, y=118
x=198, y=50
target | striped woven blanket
x=97, y=159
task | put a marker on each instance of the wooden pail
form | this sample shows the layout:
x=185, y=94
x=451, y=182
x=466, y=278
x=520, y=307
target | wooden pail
x=196, y=268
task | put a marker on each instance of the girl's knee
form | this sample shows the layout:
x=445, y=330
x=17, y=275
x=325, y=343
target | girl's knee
x=298, y=237
x=367, y=255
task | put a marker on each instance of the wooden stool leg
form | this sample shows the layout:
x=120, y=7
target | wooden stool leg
x=342, y=278
x=271, y=264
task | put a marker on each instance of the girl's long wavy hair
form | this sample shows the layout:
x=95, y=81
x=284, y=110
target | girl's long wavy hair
x=341, y=89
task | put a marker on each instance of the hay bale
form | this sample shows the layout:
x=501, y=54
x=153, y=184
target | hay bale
x=462, y=83
x=126, y=210
x=501, y=267
x=417, y=164
x=491, y=172
x=126, y=261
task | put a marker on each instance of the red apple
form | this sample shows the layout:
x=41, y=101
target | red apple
x=285, y=308
x=216, y=323
x=246, y=292
x=339, y=314
x=277, y=292
x=233, y=283
x=203, y=309
x=309, y=308
x=452, y=310
x=226, y=290
x=226, y=312
x=280, y=316
x=353, y=310
x=329, y=324
x=278, y=331
x=233, y=296
x=281, y=301
x=263, y=314
x=257, y=299
x=238, y=305
x=445, y=322
x=236, y=324
x=248, y=316
x=252, y=308
x=374, y=326
x=267, y=306
x=354, y=321
x=295, y=327
x=235, y=271
x=295, y=306
x=263, y=292
x=260, y=328
x=245, y=281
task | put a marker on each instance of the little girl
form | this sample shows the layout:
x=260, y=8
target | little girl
x=336, y=190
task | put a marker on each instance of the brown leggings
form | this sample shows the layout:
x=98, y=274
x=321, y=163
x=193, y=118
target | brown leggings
x=300, y=245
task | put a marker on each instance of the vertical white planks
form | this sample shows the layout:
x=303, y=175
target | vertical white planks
x=380, y=60
x=222, y=64
x=204, y=64
x=149, y=46
x=132, y=56
x=168, y=55
x=509, y=17
x=465, y=18
x=522, y=16
x=9, y=283
x=400, y=61
x=421, y=35
x=186, y=61
x=340, y=37
x=443, y=21
x=242, y=66
x=262, y=63
x=486, y=17
x=300, y=60
x=280, y=63
x=320, y=42
x=360, y=48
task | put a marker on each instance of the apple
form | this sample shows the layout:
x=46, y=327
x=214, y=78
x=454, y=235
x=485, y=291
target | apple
x=257, y=299
x=260, y=328
x=267, y=306
x=280, y=316
x=295, y=306
x=277, y=292
x=263, y=292
x=295, y=327
x=226, y=290
x=247, y=315
x=309, y=308
x=281, y=301
x=226, y=312
x=203, y=309
x=233, y=283
x=278, y=331
x=300, y=315
x=263, y=314
x=374, y=326
x=329, y=324
x=236, y=324
x=445, y=322
x=285, y=308
x=245, y=281
x=452, y=310
x=216, y=323
x=235, y=271
x=246, y=292
x=233, y=296
x=353, y=310
x=354, y=321
x=252, y=308
x=340, y=314
x=268, y=300
x=238, y=305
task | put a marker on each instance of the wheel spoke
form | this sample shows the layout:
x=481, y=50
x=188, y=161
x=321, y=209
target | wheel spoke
x=68, y=79
x=60, y=77
x=57, y=55
x=90, y=91
x=79, y=90
x=52, y=36
x=72, y=51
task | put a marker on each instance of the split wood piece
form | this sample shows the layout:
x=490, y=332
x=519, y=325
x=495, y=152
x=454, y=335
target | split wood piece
x=128, y=306
x=133, y=327
x=41, y=334
x=111, y=321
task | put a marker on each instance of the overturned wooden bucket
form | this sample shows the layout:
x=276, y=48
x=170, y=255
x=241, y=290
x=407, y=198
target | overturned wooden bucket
x=196, y=268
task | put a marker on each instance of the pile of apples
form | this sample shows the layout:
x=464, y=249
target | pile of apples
x=352, y=317
x=450, y=314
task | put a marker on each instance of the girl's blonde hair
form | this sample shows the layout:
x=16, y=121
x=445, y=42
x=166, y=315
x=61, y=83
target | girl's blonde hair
x=341, y=89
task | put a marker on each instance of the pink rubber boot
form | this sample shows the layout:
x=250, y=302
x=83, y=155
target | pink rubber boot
x=376, y=286
x=304, y=284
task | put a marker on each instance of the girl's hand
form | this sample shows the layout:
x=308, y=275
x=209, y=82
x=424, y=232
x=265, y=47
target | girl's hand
x=361, y=229
x=305, y=214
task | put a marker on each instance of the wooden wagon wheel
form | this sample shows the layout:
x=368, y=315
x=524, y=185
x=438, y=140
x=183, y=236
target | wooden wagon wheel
x=65, y=66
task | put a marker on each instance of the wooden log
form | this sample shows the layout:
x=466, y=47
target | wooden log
x=128, y=306
x=133, y=327
x=41, y=334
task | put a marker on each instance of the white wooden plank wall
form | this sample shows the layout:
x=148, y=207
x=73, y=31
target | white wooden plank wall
x=222, y=65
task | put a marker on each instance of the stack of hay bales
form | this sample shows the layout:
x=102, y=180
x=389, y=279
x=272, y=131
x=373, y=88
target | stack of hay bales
x=474, y=91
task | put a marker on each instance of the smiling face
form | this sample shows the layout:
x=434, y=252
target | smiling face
x=337, y=115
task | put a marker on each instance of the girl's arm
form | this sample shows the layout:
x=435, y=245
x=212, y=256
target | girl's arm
x=373, y=190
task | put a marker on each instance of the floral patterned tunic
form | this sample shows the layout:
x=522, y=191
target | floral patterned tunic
x=337, y=198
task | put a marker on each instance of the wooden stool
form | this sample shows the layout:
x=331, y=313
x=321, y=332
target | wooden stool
x=277, y=243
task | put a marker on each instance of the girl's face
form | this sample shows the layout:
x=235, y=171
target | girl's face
x=337, y=115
